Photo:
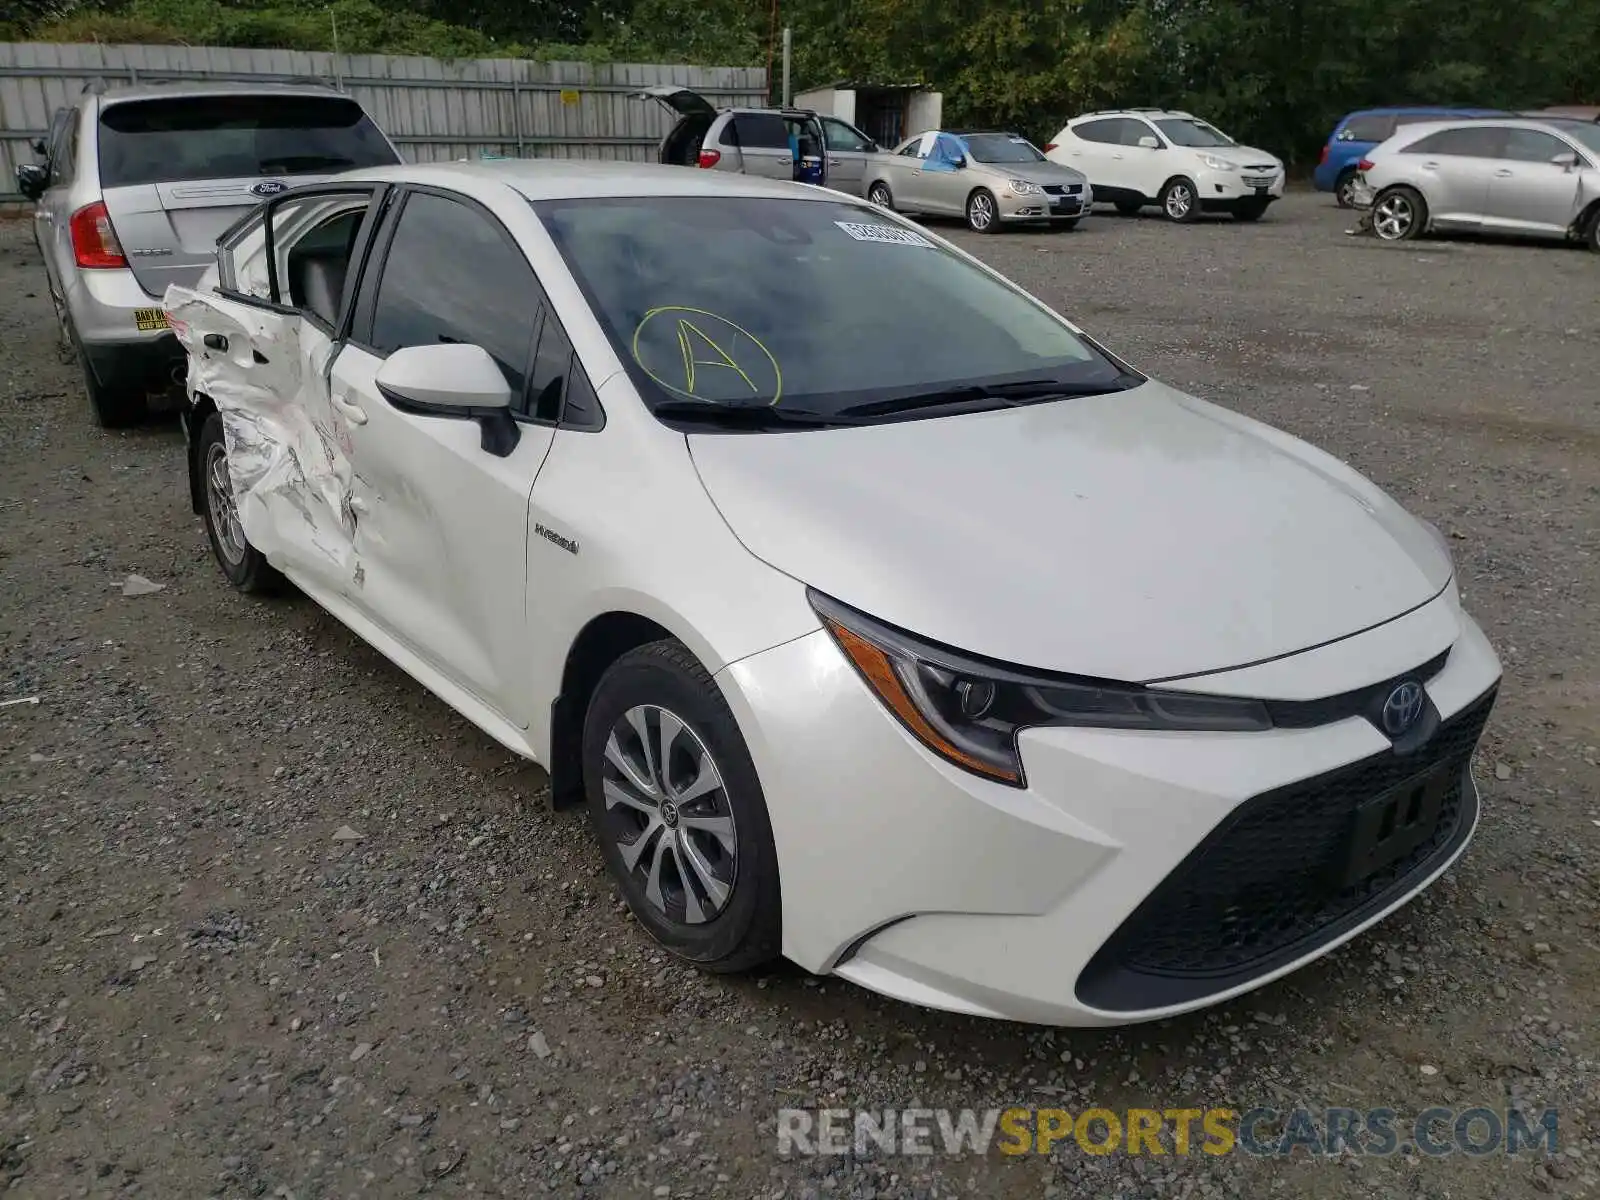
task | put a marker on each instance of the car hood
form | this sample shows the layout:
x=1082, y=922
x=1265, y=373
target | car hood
x=1044, y=172
x=1245, y=156
x=1135, y=536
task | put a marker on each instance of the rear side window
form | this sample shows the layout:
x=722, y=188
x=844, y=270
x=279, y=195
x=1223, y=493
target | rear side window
x=1367, y=129
x=1484, y=141
x=764, y=131
x=451, y=277
x=1098, y=131
x=222, y=137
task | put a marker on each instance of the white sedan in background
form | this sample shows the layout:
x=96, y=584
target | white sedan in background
x=879, y=617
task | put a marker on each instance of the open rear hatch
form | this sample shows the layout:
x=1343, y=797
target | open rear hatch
x=176, y=171
x=679, y=100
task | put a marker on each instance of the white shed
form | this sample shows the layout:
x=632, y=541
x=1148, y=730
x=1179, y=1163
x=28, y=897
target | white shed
x=888, y=113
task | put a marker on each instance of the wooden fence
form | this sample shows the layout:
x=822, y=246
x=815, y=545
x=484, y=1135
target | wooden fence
x=433, y=109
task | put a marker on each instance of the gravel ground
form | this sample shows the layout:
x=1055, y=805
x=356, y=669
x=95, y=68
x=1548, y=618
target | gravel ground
x=209, y=987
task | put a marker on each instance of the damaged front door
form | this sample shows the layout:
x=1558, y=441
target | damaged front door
x=261, y=344
x=440, y=505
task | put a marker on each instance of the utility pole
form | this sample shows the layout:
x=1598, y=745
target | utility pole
x=787, y=43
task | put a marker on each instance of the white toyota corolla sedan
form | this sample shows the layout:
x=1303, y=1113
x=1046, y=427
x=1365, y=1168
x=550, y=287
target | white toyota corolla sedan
x=880, y=617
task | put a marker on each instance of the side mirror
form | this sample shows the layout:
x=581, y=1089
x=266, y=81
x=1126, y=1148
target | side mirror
x=1149, y=143
x=32, y=180
x=1569, y=161
x=959, y=164
x=452, y=380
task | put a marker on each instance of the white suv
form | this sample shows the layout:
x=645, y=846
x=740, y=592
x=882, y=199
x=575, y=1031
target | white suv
x=1139, y=156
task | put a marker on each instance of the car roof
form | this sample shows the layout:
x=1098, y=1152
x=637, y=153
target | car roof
x=1138, y=112
x=210, y=88
x=1394, y=110
x=1547, y=124
x=569, y=179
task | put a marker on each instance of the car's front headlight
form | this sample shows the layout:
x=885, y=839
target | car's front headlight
x=1022, y=187
x=1219, y=164
x=970, y=711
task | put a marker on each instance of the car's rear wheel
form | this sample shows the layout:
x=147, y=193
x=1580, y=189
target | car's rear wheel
x=113, y=405
x=1344, y=191
x=1399, y=214
x=245, y=566
x=983, y=216
x=880, y=195
x=1179, y=200
x=1128, y=208
x=1591, y=236
x=675, y=801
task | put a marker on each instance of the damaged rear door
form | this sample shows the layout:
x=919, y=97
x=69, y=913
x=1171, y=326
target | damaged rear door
x=440, y=503
x=261, y=343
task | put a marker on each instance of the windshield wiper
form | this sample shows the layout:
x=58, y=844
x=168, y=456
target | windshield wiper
x=750, y=416
x=979, y=396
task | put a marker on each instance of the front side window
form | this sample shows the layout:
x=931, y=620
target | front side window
x=844, y=137
x=1002, y=148
x=452, y=276
x=1186, y=131
x=222, y=137
x=1534, y=146
x=817, y=305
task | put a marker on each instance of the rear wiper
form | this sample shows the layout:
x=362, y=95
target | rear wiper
x=750, y=416
x=990, y=395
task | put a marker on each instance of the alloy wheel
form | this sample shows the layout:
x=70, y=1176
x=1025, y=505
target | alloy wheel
x=1394, y=217
x=980, y=211
x=224, y=510
x=879, y=195
x=1180, y=201
x=667, y=812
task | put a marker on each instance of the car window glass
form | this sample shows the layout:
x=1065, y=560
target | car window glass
x=219, y=137
x=1367, y=129
x=551, y=362
x=63, y=146
x=1481, y=141
x=842, y=137
x=918, y=146
x=1002, y=148
x=453, y=277
x=1532, y=145
x=1129, y=131
x=1097, y=131
x=945, y=153
x=313, y=237
x=1196, y=135
x=760, y=130
x=582, y=409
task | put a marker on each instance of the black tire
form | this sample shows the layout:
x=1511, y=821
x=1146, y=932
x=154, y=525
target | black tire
x=1128, y=208
x=745, y=928
x=113, y=406
x=880, y=195
x=1072, y=224
x=1344, y=189
x=1591, y=236
x=1399, y=214
x=1180, y=200
x=245, y=566
x=980, y=202
x=1250, y=212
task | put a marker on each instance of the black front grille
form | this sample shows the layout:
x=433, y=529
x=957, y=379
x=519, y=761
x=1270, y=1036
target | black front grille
x=1062, y=189
x=1266, y=886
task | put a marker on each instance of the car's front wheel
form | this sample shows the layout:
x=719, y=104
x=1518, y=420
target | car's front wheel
x=675, y=801
x=245, y=566
x=1398, y=214
x=1180, y=201
x=983, y=216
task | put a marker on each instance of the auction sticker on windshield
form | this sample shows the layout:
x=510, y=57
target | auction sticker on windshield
x=866, y=231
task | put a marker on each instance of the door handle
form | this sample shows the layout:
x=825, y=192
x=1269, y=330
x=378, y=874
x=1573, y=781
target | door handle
x=353, y=413
x=1502, y=174
x=215, y=341
x=833, y=162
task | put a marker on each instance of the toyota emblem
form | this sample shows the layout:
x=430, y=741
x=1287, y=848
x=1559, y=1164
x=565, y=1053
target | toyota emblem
x=1402, y=708
x=269, y=187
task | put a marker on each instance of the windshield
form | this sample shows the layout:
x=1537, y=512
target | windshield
x=810, y=306
x=1585, y=133
x=222, y=137
x=1189, y=132
x=1001, y=148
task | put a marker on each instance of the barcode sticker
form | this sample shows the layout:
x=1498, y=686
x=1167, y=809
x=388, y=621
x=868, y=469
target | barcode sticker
x=864, y=231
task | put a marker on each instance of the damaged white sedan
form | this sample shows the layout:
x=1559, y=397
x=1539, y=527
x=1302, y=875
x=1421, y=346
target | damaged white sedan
x=880, y=617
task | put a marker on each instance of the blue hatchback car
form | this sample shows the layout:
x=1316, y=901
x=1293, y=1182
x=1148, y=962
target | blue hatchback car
x=1360, y=131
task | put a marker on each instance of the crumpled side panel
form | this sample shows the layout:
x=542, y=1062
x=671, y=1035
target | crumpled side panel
x=290, y=479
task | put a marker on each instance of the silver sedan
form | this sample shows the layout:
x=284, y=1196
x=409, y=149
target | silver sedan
x=992, y=179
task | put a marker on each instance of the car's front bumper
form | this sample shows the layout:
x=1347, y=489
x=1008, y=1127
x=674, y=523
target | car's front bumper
x=1223, y=191
x=921, y=881
x=1043, y=206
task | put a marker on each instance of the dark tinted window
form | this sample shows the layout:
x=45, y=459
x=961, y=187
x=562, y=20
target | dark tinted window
x=843, y=137
x=219, y=137
x=453, y=276
x=761, y=131
x=583, y=406
x=551, y=364
x=1367, y=129
x=814, y=303
x=1097, y=131
x=1531, y=145
x=1128, y=131
x=63, y=146
x=1001, y=148
x=1482, y=141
